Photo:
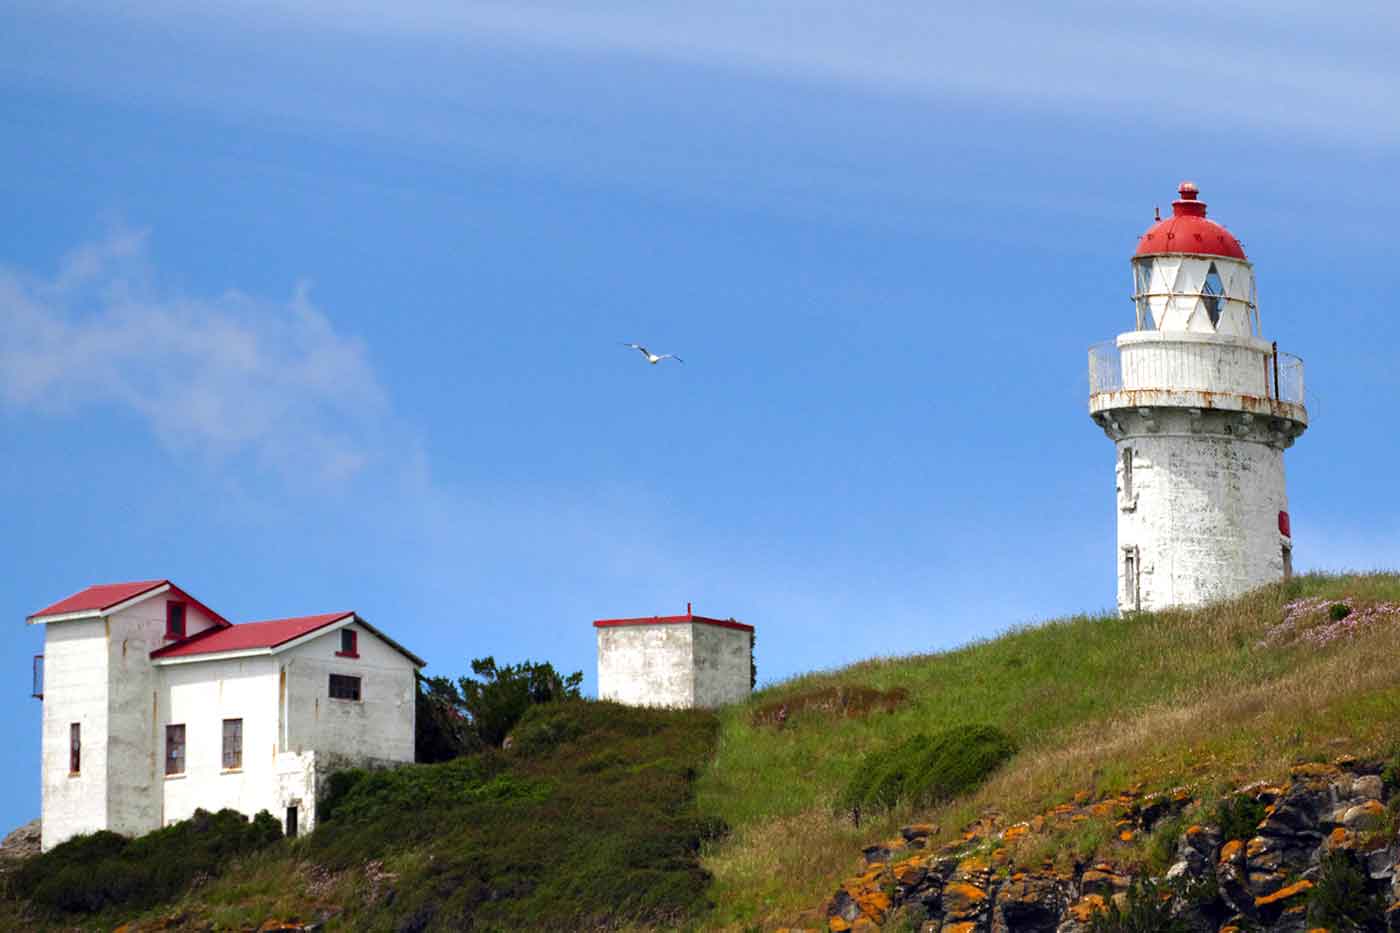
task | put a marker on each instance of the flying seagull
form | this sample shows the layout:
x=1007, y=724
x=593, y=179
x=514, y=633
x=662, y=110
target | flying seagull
x=652, y=358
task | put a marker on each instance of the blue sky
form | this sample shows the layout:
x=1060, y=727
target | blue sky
x=321, y=310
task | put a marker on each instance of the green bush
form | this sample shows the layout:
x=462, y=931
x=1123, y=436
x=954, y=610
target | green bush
x=922, y=770
x=1340, y=900
x=1238, y=817
x=92, y=872
x=588, y=822
x=1148, y=910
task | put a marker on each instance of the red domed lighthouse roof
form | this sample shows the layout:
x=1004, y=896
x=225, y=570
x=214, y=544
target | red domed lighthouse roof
x=1188, y=231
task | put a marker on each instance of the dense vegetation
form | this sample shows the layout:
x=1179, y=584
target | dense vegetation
x=588, y=818
x=102, y=870
x=472, y=713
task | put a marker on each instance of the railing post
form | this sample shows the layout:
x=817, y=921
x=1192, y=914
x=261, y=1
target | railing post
x=1278, y=394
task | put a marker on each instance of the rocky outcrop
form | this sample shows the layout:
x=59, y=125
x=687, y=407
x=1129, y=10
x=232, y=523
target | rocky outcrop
x=972, y=885
x=22, y=842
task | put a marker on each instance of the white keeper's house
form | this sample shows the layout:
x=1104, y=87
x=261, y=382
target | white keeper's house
x=155, y=705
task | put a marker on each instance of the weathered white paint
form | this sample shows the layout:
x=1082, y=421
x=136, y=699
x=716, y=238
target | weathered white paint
x=674, y=664
x=378, y=726
x=1199, y=445
x=98, y=672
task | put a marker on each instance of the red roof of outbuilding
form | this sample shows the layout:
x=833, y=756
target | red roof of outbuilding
x=104, y=596
x=673, y=620
x=247, y=636
x=1188, y=231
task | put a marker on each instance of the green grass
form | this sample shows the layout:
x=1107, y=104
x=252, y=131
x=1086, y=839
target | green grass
x=921, y=770
x=1093, y=702
x=604, y=816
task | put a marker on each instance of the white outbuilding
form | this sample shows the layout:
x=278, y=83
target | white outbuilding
x=675, y=661
x=1200, y=408
x=155, y=705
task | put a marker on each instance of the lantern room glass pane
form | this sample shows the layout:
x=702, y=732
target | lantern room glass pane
x=1142, y=276
x=1212, y=295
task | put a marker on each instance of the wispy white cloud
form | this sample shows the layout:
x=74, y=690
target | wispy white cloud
x=1283, y=65
x=218, y=376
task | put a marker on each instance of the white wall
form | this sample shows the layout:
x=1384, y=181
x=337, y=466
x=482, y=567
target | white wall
x=135, y=764
x=201, y=695
x=75, y=690
x=1203, y=513
x=379, y=726
x=646, y=665
x=722, y=665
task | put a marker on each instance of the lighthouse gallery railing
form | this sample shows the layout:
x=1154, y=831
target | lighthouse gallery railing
x=1283, y=373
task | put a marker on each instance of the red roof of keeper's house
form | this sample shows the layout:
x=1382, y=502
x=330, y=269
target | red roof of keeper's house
x=247, y=636
x=1188, y=231
x=673, y=620
x=104, y=596
x=256, y=636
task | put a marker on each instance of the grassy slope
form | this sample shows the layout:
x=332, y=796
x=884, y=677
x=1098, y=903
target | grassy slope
x=589, y=819
x=1094, y=703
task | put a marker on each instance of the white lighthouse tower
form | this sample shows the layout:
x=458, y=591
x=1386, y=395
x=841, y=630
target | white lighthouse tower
x=1200, y=409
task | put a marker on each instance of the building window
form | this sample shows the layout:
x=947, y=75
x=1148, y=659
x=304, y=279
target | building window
x=75, y=748
x=174, y=620
x=1127, y=475
x=1131, y=599
x=175, y=749
x=349, y=644
x=344, y=687
x=233, y=744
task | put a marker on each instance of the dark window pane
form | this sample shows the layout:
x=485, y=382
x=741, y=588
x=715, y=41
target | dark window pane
x=233, y=744
x=343, y=687
x=175, y=619
x=175, y=749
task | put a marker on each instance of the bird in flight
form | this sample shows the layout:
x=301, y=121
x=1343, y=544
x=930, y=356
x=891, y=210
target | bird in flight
x=652, y=358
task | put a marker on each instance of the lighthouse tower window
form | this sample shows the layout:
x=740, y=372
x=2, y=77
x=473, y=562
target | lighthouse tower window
x=1213, y=295
x=1142, y=287
x=1131, y=598
x=1127, y=475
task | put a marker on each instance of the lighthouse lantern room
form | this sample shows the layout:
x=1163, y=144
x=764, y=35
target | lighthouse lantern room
x=1200, y=408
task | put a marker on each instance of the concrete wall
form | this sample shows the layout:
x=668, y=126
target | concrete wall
x=1216, y=363
x=379, y=726
x=677, y=664
x=135, y=763
x=646, y=665
x=201, y=696
x=1201, y=517
x=723, y=672
x=75, y=690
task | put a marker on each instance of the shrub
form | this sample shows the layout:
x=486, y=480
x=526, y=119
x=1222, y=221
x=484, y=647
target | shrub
x=1339, y=611
x=588, y=822
x=1148, y=910
x=441, y=730
x=91, y=872
x=1238, y=817
x=922, y=770
x=1340, y=900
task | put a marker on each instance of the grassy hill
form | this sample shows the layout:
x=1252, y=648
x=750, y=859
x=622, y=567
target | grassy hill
x=600, y=816
x=1210, y=698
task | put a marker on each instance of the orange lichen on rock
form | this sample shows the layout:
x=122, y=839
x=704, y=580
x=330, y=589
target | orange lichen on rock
x=1283, y=894
x=1084, y=909
x=1231, y=850
x=962, y=900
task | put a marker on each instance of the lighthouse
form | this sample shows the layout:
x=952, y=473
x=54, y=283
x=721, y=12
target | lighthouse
x=1200, y=408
